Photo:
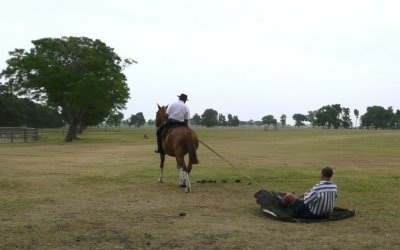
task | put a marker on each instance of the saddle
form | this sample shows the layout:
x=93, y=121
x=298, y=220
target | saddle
x=171, y=124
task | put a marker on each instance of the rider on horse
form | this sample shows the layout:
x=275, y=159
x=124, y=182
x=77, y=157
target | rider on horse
x=178, y=114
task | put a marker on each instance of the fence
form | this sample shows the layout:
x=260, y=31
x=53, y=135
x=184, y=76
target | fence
x=9, y=134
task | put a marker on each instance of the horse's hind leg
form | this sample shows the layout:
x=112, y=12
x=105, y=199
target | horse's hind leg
x=188, y=184
x=182, y=182
x=181, y=174
x=185, y=173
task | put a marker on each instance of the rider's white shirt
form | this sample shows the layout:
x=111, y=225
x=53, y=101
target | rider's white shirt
x=178, y=111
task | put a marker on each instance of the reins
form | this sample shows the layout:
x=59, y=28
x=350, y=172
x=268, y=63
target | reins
x=233, y=166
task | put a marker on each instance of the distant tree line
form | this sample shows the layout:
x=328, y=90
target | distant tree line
x=117, y=120
x=211, y=118
x=16, y=112
x=335, y=116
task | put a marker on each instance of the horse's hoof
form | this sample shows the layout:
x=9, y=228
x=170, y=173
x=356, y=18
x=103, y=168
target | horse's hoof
x=160, y=181
x=187, y=190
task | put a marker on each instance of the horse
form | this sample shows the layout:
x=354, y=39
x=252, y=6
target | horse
x=178, y=141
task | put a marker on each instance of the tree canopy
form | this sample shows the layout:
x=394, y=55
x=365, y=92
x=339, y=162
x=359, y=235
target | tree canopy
x=356, y=114
x=311, y=117
x=209, y=118
x=346, y=120
x=299, y=119
x=196, y=119
x=283, y=120
x=329, y=116
x=379, y=117
x=233, y=120
x=137, y=120
x=269, y=120
x=222, y=120
x=115, y=119
x=16, y=112
x=77, y=75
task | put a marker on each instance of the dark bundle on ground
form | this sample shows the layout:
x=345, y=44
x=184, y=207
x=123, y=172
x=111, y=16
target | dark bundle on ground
x=272, y=206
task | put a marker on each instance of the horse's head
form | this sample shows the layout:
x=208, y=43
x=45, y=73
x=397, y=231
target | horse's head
x=161, y=115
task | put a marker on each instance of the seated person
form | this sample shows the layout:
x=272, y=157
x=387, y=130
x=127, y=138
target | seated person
x=319, y=202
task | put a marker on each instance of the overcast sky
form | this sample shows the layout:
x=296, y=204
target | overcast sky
x=248, y=58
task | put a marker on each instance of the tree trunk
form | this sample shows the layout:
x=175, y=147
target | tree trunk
x=80, y=128
x=72, y=130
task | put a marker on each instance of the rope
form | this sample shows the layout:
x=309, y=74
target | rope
x=233, y=166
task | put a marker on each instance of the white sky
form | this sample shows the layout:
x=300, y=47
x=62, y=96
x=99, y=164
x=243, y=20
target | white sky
x=249, y=58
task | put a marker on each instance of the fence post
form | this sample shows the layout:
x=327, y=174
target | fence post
x=36, y=134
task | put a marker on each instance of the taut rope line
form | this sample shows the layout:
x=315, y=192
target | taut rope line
x=233, y=166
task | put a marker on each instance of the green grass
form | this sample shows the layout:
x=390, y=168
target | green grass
x=101, y=192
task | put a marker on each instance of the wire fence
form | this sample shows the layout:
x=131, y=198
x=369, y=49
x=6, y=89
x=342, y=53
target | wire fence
x=13, y=134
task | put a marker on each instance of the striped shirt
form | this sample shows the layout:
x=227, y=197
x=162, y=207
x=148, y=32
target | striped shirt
x=322, y=198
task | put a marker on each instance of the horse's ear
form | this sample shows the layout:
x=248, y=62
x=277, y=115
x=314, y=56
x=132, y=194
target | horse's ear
x=167, y=106
x=158, y=106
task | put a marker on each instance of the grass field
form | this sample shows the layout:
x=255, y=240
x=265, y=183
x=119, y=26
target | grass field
x=101, y=192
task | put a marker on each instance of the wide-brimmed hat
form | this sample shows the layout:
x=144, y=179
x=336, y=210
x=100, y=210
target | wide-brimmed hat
x=183, y=97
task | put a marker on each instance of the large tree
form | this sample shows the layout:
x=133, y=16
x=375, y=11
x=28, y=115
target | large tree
x=311, y=117
x=151, y=122
x=222, y=120
x=137, y=120
x=115, y=119
x=299, y=119
x=379, y=117
x=77, y=75
x=209, y=118
x=230, y=120
x=283, y=120
x=235, y=121
x=269, y=120
x=346, y=120
x=356, y=114
x=396, y=119
x=329, y=116
x=196, y=119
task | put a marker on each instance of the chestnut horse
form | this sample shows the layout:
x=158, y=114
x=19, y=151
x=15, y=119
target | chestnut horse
x=178, y=142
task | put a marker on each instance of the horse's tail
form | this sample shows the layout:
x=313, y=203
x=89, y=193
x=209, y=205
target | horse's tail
x=192, y=148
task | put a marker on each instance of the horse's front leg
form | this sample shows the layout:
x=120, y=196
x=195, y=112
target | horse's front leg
x=162, y=159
